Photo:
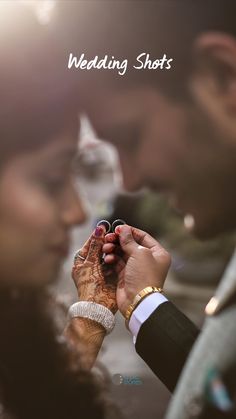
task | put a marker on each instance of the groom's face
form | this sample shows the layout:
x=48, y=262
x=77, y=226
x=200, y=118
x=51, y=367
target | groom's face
x=173, y=148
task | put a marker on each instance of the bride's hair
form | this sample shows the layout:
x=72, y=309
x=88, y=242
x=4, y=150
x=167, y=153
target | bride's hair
x=40, y=373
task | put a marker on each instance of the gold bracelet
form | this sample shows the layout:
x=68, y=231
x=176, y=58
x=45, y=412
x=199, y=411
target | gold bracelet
x=138, y=298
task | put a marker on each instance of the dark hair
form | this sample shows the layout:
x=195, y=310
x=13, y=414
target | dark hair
x=37, y=97
x=127, y=28
x=40, y=374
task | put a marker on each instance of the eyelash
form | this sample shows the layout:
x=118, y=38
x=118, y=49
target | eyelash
x=54, y=186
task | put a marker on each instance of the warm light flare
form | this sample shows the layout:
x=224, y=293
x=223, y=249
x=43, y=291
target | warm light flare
x=42, y=9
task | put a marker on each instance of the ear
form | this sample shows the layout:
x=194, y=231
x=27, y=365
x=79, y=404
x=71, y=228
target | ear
x=213, y=83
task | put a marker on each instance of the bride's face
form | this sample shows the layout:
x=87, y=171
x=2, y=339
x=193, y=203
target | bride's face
x=38, y=207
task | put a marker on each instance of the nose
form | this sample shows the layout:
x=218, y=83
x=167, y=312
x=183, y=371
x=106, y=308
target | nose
x=130, y=174
x=73, y=212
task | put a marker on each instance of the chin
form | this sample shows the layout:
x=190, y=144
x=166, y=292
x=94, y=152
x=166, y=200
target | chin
x=47, y=279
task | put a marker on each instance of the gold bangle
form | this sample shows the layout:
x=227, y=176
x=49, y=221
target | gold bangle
x=138, y=298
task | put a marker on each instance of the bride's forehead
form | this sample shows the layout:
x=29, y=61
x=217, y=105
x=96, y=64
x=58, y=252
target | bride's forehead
x=57, y=154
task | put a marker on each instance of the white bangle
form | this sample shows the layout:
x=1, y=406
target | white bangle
x=93, y=311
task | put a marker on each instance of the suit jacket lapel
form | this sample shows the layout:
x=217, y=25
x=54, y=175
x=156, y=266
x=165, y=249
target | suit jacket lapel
x=226, y=290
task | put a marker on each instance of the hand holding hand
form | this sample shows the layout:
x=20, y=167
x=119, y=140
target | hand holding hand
x=144, y=263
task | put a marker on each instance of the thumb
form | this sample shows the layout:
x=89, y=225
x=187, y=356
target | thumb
x=127, y=242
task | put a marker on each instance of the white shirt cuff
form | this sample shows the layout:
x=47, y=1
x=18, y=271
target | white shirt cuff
x=143, y=311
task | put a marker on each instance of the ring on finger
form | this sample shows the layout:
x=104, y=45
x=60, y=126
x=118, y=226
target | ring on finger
x=78, y=256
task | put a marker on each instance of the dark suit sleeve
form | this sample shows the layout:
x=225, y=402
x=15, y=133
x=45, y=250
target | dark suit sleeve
x=164, y=342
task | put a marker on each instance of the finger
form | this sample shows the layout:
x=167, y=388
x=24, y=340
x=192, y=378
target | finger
x=109, y=259
x=95, y=247
x=127, y=241
x=118, y=254
x=144, y=239
x=108, y=248
x=159, y=253
x=111, y=238
x=118, y=262
x=83, y=251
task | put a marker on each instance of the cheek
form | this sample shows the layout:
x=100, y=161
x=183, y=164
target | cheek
x=126, y=160
x=27, y=225
x=23, y=206
x=130, y=169
x=164, y=146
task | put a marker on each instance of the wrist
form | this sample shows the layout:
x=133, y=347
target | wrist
x=109, y=303
x=93, y=311
x=84, y=325
x=139, y=297
x=87, y=337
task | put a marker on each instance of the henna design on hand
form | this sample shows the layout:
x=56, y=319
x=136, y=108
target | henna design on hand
x=94, y=281
x=87, y=336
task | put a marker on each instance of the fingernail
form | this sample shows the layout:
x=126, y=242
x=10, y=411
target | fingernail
x=123, y=229
x=98, y=231
x=117, y=230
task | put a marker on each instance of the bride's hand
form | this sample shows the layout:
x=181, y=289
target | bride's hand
x=94, y=280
